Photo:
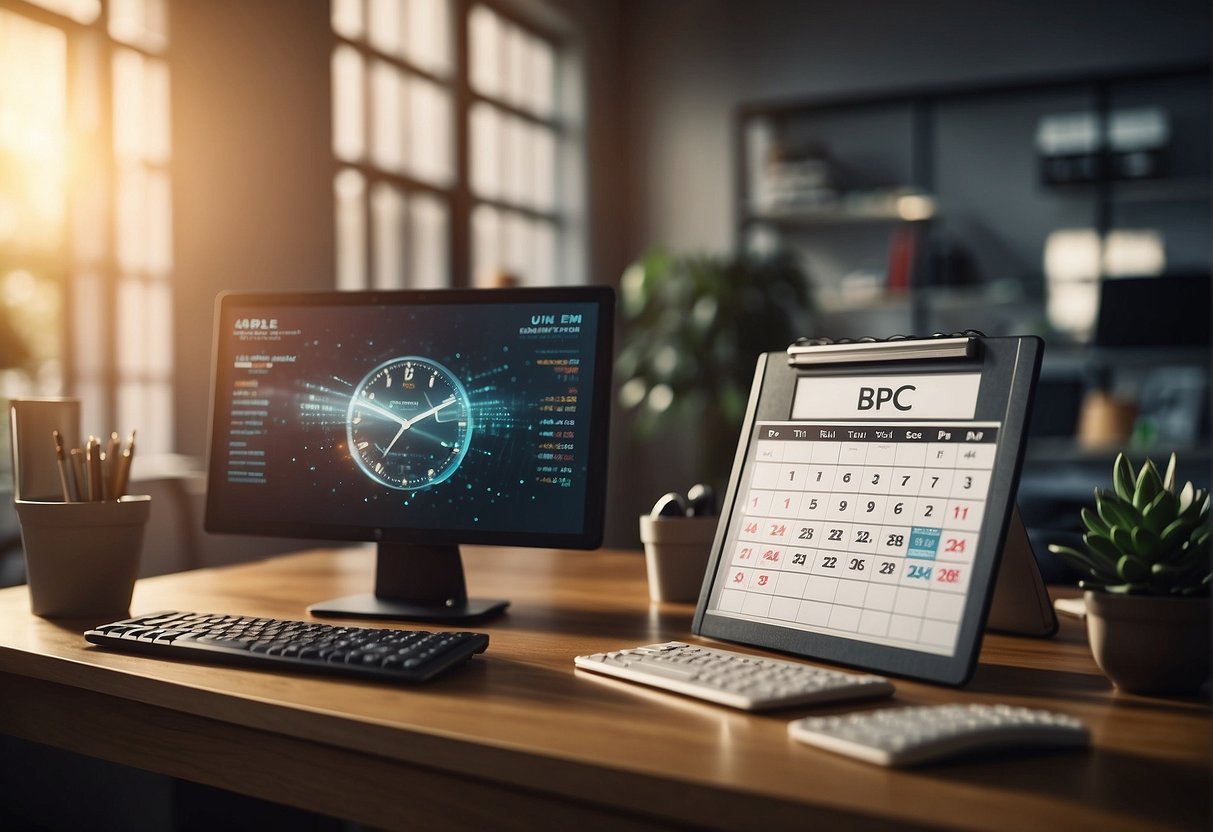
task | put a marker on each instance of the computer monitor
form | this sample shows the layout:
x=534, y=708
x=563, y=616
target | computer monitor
x=420, y=420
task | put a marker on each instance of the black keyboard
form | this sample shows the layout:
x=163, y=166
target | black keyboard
x=278, y=644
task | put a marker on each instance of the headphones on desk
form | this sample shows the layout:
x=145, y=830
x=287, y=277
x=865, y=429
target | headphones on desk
x=699, y=501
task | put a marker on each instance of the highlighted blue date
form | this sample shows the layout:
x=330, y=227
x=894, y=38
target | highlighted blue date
x=923, y=543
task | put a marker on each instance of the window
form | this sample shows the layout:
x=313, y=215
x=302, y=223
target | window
x=86, y=249
x=33, y=204
x=456, y=161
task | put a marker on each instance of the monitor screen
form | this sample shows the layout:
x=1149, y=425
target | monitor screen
x=421, y=420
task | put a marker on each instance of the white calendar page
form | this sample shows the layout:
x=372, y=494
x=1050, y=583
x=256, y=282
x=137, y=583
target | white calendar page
x=858, y=530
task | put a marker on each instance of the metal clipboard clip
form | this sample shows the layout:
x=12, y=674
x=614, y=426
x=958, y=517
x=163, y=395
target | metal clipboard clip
x=807, y=352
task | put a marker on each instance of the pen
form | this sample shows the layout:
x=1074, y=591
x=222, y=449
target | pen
x=92, y=460
x=65, y=481
x=109, y=467
x=122, y=467
x=76, y=456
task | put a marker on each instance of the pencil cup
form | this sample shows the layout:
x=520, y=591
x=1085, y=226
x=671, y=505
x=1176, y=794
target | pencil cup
x=81, y=559
x=676, y=553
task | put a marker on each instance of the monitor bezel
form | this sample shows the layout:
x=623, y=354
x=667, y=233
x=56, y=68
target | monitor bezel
x=591, y=533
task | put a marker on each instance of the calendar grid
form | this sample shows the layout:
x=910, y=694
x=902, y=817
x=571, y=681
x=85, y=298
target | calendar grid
x=858, y=530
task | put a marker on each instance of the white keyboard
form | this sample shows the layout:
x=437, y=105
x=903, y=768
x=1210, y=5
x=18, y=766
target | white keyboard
x=741, y=681
x=906, y=736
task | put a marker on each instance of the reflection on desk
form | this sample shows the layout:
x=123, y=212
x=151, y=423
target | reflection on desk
x=519, y=738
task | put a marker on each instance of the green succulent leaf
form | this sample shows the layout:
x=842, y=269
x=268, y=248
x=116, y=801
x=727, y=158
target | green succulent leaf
x=1148, y=485
x=1133, y=570
x=1172, y=543
x=1170, y=574
x=1123, y=477
x=1094, y=522
x=1144, y=542
x=1115, y=511
x=1168, y=480
x=1198, y=511
x=1187, y=496
x=1100, y=545
x=1161, y=511
x=1177, y=530
x=1122, y=539
x=1096, y=567
x=1168, y=571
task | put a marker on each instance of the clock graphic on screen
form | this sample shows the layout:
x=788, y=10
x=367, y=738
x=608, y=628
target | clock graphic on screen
x=408, y=423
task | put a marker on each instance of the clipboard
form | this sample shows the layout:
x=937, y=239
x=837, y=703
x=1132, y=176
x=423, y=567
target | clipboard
x=870, y=513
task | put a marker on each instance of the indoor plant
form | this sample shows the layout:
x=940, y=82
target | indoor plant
x=1148, y=578
x=694, y=326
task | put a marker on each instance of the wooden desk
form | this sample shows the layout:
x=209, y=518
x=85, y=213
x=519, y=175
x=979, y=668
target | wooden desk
x=519, y=737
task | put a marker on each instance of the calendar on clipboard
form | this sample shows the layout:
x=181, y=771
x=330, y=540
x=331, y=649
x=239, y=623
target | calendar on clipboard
x=870, y=501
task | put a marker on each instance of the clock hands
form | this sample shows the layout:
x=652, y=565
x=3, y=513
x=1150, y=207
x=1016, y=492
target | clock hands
x=405, y=424
x=403, y=427
x=382, y=411
x=408, y=423
x=428, y=438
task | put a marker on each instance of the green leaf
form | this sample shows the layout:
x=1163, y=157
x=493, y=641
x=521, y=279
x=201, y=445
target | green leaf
x=1116, y=512
x=1168, y=480
x=1198, y=511
x=1132, y=569
x=1094, y=522
x=1144, y=542
x=1122, y=539
x=1171, y=542
x=1175, y=530
x=1101, y=545
x=1083, y=562
x=1123, y=477
x=1182, y=579
x=1148, y=485
x=1187, y=496
x=1162, y=510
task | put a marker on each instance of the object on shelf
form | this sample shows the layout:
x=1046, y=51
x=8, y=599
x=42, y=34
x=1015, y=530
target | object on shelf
x=796, y=177
x=1080, y=148
x=1105, y=421
x=1172, y=407
x=1069, y=146
x=1138, y=141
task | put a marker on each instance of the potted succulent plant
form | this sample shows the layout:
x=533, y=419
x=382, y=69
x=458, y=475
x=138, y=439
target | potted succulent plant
x=1148, y=578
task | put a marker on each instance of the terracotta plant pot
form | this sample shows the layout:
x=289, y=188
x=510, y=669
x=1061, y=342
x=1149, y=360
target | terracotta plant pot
x=1150, y=644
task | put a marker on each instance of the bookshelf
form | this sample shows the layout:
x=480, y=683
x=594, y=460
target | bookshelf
x=951, y=176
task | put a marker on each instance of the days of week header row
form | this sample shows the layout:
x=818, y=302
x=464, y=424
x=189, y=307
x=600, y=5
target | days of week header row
x=971, y=433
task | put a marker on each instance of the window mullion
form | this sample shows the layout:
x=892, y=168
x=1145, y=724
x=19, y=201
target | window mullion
x=461, y=196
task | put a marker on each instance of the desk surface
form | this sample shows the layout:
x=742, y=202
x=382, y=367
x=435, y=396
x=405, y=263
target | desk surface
x=519, y=734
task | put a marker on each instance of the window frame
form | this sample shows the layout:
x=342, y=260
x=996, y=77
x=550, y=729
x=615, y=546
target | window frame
x=564, y=218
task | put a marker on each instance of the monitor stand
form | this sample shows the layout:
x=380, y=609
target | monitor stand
x=415, y=583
